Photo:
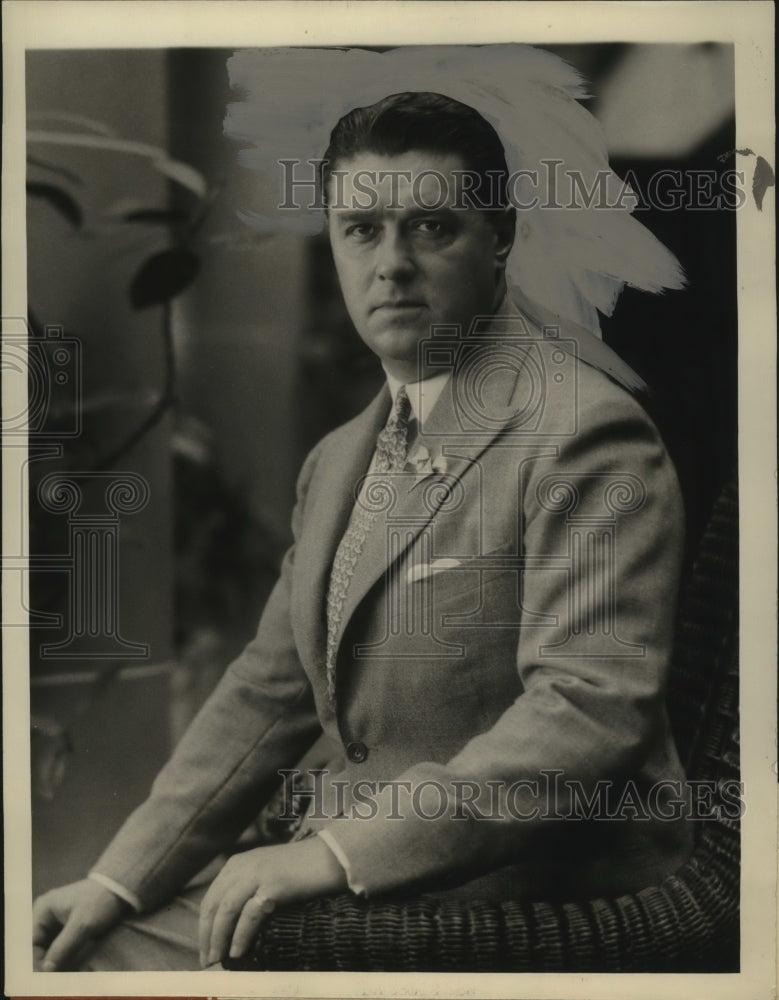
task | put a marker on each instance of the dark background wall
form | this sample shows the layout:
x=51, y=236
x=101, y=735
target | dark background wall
x=98, y=736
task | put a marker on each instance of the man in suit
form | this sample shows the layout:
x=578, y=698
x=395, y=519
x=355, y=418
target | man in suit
x=476, y=615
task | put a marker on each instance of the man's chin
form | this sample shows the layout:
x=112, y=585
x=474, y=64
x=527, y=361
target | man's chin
x=398, y=342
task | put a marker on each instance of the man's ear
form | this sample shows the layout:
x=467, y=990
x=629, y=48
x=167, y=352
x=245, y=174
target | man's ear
x=505, y=229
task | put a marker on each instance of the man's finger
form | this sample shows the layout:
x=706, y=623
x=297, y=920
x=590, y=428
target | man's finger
x=225, y=919
x=65, y=946
x=252, y=915
x=221, y=887
x=45, y=922
x=82, y=953
x=207, y=912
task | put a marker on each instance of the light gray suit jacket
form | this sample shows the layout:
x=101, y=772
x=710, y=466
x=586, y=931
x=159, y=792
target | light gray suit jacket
x=501, y=657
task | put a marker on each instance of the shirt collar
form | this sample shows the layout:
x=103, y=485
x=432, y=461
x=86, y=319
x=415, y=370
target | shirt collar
x=424, y=394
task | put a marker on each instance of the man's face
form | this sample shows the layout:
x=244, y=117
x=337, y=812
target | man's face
x=406, y=258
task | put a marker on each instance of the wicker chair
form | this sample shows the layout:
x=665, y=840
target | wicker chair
x=687, y=923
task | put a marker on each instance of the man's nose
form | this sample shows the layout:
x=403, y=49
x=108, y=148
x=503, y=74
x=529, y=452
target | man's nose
x=395, y=260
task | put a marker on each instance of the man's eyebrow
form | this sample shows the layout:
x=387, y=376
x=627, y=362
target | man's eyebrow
x=366, y=214
x=354, y=215
x=419, y=210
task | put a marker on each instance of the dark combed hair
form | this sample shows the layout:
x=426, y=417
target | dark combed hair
x=428, y=122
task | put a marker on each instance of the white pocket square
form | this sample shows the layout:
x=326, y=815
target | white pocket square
x=423, y=570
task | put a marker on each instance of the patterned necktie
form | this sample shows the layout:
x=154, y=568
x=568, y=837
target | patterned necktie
x=390, y=456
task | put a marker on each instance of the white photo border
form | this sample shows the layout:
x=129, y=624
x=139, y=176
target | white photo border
x=40, y=24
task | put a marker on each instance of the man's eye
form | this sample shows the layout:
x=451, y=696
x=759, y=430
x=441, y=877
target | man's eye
x=430, y=227
x=361, y=230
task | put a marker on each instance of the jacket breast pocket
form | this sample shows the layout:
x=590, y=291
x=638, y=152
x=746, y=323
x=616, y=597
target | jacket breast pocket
x=471, y=590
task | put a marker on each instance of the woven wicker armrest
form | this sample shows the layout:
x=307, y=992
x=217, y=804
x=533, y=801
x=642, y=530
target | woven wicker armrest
x=687, y=923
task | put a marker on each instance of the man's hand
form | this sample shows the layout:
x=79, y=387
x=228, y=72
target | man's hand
x=67, y=921
x=252, y=883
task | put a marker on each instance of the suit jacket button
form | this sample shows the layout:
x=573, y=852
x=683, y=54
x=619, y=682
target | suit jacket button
x=356, y=752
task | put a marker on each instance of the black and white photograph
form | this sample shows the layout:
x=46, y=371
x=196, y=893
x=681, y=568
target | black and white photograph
x=389, y=449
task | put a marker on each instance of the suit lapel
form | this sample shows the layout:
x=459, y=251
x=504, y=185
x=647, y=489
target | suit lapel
x=340, y=470
x=415, y=504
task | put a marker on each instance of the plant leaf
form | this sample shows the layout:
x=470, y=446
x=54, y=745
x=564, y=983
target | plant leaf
x=60, y=199
x=83, y=121
x=163, y=276
x=183, y=174
x=162, y=216
x=155, y=216
x=55, y=168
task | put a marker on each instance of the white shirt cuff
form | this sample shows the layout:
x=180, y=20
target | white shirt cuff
x=335, y=847
x=117, y=890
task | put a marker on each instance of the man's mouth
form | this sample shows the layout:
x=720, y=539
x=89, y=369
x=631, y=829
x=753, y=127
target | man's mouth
x=399, y=304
